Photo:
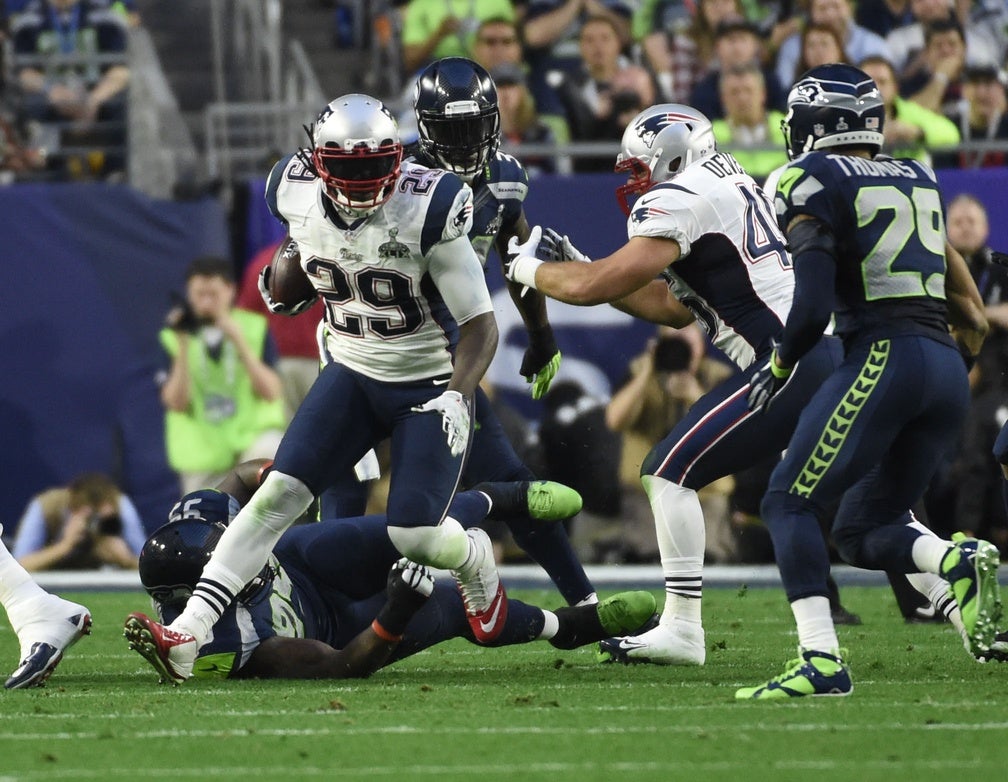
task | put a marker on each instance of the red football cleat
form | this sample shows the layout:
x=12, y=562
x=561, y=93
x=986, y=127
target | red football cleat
x=171, y=653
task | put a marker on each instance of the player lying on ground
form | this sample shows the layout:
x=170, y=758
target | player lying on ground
x=327, y=605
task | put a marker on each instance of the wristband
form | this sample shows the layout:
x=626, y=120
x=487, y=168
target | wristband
x=781, y=373
x=523, y=270
x=384, y=634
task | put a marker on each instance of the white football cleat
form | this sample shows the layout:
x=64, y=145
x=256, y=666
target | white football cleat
x=482, y=591
x=58, y=625
x=676, y=643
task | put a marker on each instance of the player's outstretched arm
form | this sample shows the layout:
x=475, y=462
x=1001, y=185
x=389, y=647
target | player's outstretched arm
x=409, y=586
x=965, y=305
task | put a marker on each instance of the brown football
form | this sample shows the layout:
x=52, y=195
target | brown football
x=288, y=282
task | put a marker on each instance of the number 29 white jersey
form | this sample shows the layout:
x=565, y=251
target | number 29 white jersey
x=734, y=272
x=385, y=315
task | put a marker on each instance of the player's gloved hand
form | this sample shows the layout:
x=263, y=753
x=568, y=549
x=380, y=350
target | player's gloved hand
x=276, y=307
x=541, y=361
x=554, y=247
x=768, y=380
x=522, y=262
x=409, y=585
x=454, y=411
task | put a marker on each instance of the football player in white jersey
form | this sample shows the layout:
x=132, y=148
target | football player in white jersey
x=410, y=330
x=703, y=245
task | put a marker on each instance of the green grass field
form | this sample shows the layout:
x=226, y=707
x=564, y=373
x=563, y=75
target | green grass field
x=921, y=710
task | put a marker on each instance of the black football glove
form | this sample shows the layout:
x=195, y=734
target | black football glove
x=541, y=361
x=409, y=586
x=766, y=383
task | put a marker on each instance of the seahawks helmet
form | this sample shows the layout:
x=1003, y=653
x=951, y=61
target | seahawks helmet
x=833, y=105
x=660, y=143
x=172, y=559
x=356, y=152
x=455, y=102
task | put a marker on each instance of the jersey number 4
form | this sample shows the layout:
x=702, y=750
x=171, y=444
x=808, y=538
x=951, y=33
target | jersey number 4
x=762, y=237
x=382, y=289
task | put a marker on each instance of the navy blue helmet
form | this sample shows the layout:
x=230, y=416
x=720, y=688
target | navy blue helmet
x=833, y=105
x=172, y=559
x=457, y=116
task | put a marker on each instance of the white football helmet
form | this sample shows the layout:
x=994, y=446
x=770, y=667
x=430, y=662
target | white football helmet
x=658, y=144
x=356, y=153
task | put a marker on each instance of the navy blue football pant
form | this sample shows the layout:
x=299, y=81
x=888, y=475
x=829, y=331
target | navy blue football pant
x=720, y=436
x=1001, y=454
x=346, y=413
x=491, y=457
x=348, y=561
x=874, y=434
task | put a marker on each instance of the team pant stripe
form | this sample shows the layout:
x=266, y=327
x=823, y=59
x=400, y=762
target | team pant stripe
x=842, y=419
x=686, y=439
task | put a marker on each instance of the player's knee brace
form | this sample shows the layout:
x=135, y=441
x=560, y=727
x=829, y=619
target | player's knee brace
x=442, y=546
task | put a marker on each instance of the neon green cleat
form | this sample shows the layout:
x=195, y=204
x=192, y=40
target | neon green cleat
x=970, y=567
x=813, y=673
x=552, y=501
x=622, y=613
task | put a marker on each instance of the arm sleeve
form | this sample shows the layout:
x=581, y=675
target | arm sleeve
x=133, y=528
x=458, y=274
x=815, y=273
x=31, y=532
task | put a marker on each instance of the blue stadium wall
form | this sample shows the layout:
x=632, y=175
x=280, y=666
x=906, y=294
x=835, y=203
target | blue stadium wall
x=87, y=274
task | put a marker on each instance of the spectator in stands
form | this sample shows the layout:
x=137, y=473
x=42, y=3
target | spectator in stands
x=980, y=115
x=84, y=92
x=906, y=43
x=520, y=122
x=551, y=30
x=223, y=397
x=979, y=506
x=433, y=29
x=605, y=93
x=883, y=16
x=820, y=45
x=662, y=384
x=498, y=44
x=910, y=129
x=736, y=45
x=297, y=347
x=858, y=42
x=938, y=82
x=749, y=130
x=87, y=524
x=680, y=56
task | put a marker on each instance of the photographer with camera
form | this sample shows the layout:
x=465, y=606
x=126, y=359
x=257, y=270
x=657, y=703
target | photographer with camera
x=662, y=384
x=222, y=396
x=87, y=524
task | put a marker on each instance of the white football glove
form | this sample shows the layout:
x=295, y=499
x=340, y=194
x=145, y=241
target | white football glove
x=276, y=307
x=454, y=411
x=522, y=262
x=413, y=575
x=554, y=247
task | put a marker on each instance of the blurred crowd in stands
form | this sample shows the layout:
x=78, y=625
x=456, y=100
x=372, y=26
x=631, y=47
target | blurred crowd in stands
x=578, y=70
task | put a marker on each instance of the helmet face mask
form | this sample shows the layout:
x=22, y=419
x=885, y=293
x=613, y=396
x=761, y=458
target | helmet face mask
x=356, y=153
x=832, y=106
x=458, y=119
x=659, y=144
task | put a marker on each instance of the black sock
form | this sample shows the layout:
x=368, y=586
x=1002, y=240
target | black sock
x=579, y=625
x=507, y=498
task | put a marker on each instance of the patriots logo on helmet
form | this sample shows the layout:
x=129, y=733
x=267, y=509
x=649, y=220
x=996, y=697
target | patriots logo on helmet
x=649, y=127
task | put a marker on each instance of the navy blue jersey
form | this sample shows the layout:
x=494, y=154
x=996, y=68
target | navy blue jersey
x=887, y=219
x=498, y=193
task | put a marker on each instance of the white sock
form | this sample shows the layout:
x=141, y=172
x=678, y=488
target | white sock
x=936, y=589
x=19, y=594
x=928, y=551
x=551, y=625
x=815, y=624
x=679, y=528
x=243, y=550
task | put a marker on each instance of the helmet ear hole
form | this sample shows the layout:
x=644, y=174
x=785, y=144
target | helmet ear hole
x=675, y=164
